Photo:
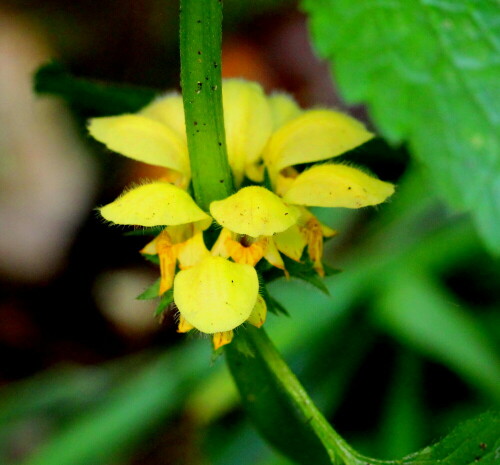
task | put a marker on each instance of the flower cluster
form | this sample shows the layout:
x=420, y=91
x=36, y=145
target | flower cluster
x=217, y=290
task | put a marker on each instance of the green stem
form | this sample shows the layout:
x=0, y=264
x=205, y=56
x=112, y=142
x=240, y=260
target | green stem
x=200, y=47
x=266, y=382
x=335, y=446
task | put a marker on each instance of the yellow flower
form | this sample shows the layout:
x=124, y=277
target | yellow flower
x=212, y=293
x=157, y=135
x=293, y=137
x=309, y=136
x=316, y=135
x=250, y=220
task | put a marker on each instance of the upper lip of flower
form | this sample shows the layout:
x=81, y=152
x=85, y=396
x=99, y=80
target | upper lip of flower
x=155, y=135
x=254, y=211
x=155, y=204
x=272, y=130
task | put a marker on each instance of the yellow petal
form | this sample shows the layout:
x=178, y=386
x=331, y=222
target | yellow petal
x=327, y=231
x=174, y=177
x=191, y=252
x=155, y=204
x=291, y=242
x=169, y=111
x=282, y=183
x=272, y=255
x=216, y=295
x=167, y=257
x=306, y=217
x=248, y=123
x=255, y=172
x=184, y=326
x=184, y=232
x=221, y=339
x=337, y=186
x=220, y=246
x=150, y=247
x=167, y=273
x=259, y=312
x=142, y=139
x=283, y=109
x=314, y=234
x=314, y=135
x=254, y=211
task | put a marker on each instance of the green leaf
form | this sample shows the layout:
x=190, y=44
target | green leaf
x=152, y=292
x=152, y=258
x=330, y=271
x=472, y=442
x=52, y=78
x=428, y=72
x=307, y=273
x=303, y=270
x=273, y=305
x=165, y=301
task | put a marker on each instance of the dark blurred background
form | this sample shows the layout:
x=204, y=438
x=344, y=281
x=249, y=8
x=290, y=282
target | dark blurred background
x=58, y=255
x=68, y=281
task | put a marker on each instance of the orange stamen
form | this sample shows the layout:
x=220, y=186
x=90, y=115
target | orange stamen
x=314, y=236
x=167, y=256
x=246, y=254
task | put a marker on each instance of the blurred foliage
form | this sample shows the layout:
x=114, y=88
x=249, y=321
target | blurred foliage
x=130, y=408
x=428, y=72
x=100, y=98
x=407, y=343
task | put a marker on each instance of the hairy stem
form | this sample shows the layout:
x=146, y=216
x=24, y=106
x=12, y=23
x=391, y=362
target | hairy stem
x=200, y=47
